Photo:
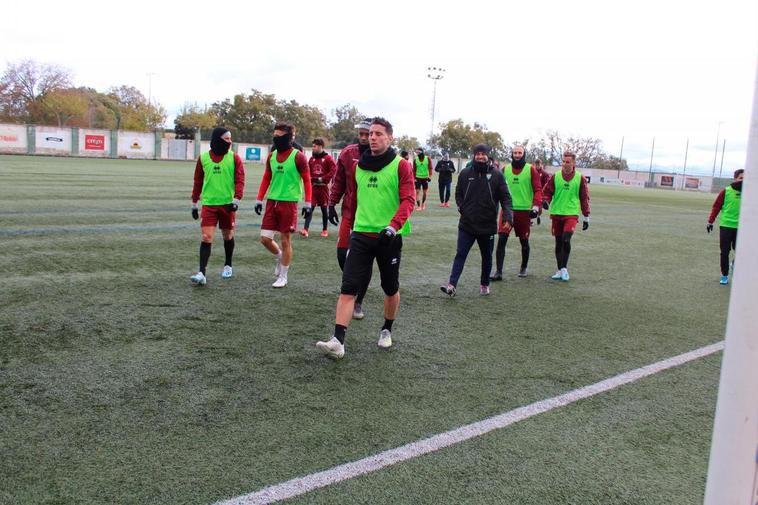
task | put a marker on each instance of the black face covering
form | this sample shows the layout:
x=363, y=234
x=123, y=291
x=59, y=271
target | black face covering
x=319, y=155
x=420, y=156
x=362, y=148
x=219, y=146
x=737, y=185
x=283, y=142
x=518, y=164
x=480, y=166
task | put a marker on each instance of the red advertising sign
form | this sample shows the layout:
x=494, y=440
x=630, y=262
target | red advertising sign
x=667, y=180
x=94, y=142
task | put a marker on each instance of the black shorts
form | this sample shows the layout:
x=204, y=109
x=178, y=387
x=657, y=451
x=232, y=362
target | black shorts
x=360, y=261
x=422, y=184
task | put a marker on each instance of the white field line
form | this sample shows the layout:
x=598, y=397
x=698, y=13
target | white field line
x=302, y=485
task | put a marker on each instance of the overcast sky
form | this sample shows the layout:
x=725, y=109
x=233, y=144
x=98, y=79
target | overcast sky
x=672, y=70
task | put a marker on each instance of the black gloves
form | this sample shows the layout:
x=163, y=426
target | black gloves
x=539, y=220
x=534, y=212
x=196, y=214
x=386, y=236
x=545, y=205
x=708, y=227
x=333, y=217
x=585, y=223
x=307, y=209
x=258, y=207
x=234, y=206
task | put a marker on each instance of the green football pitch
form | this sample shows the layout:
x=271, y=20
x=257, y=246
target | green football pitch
x=122, y=383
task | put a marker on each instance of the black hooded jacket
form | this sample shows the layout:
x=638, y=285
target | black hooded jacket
x=479, y=195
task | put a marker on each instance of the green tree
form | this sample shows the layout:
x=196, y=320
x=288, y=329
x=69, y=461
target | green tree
x=342, y=129
x=249, y=117
x=406, y=143
x=308, y=119
x=65, y=104
x=136, y=113
x=610, y=163
x=191, y=119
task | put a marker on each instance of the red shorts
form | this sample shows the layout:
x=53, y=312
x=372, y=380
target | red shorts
x=280, y=216
x=564, y=224
x=343, y=240
x=320, y=196
x=522, y=224
x=212, y=215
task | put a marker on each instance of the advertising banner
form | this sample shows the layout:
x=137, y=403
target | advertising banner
x=53, y=139
x=667, y=181
x=94, y=142
x=253, y=154
x=12, y=138
x=136, y=145
x=691, y=183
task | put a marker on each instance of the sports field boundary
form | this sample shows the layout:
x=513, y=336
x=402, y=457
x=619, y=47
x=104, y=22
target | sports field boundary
x=301, y=485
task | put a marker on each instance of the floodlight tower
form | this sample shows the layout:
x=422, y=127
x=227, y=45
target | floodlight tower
x=435, y=74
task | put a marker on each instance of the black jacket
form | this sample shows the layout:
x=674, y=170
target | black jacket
x=446, y=168
x=479, y=196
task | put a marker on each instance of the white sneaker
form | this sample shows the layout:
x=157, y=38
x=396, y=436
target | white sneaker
x=557, y=275
x=227, y=273
x=280, y=282
x=332, y=348
x=198, y=279
x=385, y=339
x=564, y=275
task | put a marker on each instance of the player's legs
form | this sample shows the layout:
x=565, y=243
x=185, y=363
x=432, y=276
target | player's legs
x=465, y=242
x=486, y=244
x=502, y=241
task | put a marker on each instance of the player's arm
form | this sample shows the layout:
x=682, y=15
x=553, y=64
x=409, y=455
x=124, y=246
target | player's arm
x=197, y=185
x=431, y=167
x=330, y=167
x=506, y=202
x=337, y=189
x=548, y=191
x=407, y=191
x=239, y=178
x=305, y=173
x=718, y=204
x=584, y=197
x=265, y=182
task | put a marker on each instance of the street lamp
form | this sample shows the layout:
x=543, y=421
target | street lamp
x=435, y=74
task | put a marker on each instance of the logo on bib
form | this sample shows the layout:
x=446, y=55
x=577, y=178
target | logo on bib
x=372, y=182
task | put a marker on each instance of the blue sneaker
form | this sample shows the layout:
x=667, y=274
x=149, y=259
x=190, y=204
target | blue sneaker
x=564, y=275
x=724, y=280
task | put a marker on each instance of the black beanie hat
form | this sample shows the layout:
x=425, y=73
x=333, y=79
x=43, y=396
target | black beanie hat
x=482, y=148
x=218, y=145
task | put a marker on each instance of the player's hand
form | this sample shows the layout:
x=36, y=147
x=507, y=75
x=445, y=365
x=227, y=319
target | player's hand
x=195, y=213
x=333, y=217
x=306, y=211
x=258, y=207
x=386, y=236
x=534, y=212
x=545, y=204
x=709, y=227
x=234, y=206
x=585, y=223
x=507, y=226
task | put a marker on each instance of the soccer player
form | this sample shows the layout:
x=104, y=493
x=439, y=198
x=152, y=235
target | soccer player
x=285, y=177
x=544, y=177
x=446, y=169
x=422, y=170
x=728, y=204
x=343, y=188
x=219, y=184
x=526, y=191
x=385, y=201
x=322, y=168
x=570, y=194
x=480, y=191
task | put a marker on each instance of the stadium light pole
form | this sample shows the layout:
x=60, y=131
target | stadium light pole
x=716, y=152
x=150, y=87
x=621, y=154
x=435, y=74
x=723, y=148
x=733, y=469
x=684, y=169
x=650, y=170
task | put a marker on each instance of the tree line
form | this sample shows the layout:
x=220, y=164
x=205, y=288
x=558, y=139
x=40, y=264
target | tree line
x=35, y=93
x=43, y=94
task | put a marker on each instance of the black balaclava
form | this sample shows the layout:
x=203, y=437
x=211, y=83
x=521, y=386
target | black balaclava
x=219, y=146
x=319, y=155
x=737, y=185
x=518, y=164
x=420, y=154
x=283, y=142
x=362, y=148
